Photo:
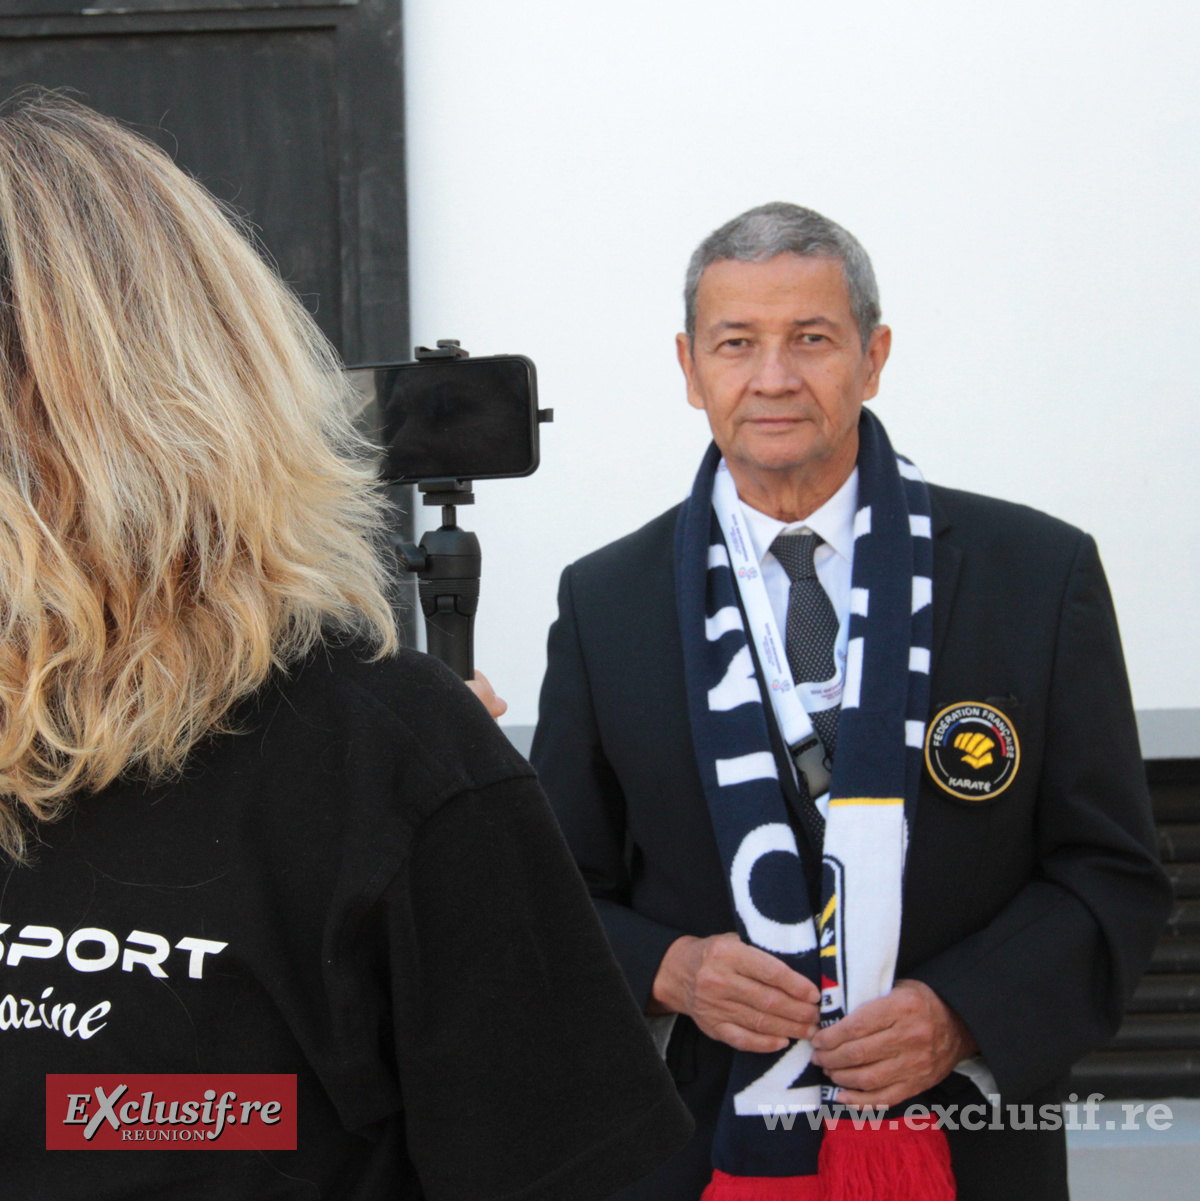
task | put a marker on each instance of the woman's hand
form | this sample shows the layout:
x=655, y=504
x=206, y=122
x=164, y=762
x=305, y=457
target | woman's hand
x=491, y=702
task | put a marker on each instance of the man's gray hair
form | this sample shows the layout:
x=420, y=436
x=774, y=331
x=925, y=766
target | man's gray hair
x=771, y=229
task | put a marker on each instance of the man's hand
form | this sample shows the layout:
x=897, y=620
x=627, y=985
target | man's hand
x=893, y=1048
x=735, y=993
x=491, y=702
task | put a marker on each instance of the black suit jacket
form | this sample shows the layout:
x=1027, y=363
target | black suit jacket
x=1032, y=915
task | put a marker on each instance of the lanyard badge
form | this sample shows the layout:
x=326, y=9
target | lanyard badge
x=807, y=754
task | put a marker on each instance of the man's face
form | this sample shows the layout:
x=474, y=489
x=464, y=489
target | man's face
x=778, y=365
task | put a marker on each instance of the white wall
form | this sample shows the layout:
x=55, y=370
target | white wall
x=1025, y=176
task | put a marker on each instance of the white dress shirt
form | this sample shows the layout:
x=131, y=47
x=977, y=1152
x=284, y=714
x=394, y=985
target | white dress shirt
x=833, y=559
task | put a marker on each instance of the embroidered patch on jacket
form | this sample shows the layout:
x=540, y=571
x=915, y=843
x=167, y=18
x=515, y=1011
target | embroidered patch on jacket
x=972, y=751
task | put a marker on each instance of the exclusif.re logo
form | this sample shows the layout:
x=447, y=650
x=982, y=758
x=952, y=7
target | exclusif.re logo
x=190, y=1112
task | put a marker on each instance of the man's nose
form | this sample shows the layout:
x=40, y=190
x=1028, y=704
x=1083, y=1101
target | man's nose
x=778, y=373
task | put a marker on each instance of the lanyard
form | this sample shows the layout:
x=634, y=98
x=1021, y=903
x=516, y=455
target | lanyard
x=805, y=747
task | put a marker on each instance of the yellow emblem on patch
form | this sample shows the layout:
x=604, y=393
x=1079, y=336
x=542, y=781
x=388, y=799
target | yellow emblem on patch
x=976, y=749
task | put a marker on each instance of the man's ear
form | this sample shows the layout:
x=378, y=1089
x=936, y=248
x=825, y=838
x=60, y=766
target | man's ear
x=878, y=349
x=683, y=349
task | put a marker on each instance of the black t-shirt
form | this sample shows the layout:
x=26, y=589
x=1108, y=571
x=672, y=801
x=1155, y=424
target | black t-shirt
x=372, y=894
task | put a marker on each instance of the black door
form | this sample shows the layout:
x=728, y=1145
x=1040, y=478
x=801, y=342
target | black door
x=291, y=110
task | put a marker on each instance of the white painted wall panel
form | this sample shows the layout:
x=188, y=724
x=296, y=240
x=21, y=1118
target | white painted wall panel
x=1025, y=176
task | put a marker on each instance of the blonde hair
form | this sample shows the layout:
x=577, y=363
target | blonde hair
x=184, y=505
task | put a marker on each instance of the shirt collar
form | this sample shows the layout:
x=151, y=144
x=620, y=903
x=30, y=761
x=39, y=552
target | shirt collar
x=833, y=522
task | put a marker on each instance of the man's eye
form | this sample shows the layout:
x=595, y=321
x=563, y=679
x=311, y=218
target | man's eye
x=735, y=343
x=813, y=339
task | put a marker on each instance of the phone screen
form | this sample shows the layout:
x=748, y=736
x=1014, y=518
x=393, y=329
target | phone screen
x=457, y=418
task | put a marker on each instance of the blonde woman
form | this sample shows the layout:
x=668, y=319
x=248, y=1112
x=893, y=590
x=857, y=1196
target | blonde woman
x=272, y=886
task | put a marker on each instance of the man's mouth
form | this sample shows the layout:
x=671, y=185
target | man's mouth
x=775, y=422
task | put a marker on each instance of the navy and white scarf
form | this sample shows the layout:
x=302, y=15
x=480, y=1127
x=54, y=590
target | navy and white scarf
x=849, y=948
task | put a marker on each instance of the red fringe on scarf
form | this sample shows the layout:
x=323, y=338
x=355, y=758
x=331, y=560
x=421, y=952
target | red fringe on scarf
x=884, y=1164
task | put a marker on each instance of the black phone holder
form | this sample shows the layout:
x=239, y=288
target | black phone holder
x=447, y=562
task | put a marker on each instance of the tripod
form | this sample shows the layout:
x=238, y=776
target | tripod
x=447, y=565
x=447, y=561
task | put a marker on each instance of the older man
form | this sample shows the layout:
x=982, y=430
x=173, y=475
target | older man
x=849, y=765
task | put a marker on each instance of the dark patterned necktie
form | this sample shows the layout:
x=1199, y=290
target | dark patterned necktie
x=812, y=626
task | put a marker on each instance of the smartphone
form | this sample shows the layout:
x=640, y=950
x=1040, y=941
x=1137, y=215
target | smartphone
x=452, y=418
